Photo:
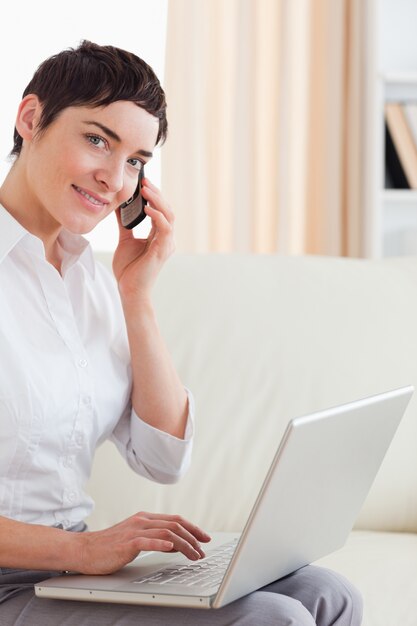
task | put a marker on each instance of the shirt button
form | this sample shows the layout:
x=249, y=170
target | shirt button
x=87, y=400
x=79, y=439
x=83, y=362
x=67, y=462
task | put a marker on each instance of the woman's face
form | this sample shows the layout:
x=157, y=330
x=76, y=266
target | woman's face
x=87, y=162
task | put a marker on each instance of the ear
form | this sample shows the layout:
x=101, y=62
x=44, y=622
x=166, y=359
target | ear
x=28, y=116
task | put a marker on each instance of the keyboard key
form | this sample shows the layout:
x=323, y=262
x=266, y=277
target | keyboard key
x=206, y=573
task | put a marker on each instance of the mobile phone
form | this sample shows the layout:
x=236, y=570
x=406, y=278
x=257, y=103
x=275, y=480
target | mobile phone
x=132, y=211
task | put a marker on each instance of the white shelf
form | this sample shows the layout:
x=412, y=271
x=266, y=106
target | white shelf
x=399, y=214
x=403, y=78
x=394, y=211
x=399, y=86
x=399, y=243
x=402, y=197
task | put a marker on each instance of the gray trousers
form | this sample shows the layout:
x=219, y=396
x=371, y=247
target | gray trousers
x=308, y=597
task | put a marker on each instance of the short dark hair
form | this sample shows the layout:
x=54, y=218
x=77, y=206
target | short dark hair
x=94, y=75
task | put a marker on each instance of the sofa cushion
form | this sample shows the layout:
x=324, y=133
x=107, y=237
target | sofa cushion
x=384, y=567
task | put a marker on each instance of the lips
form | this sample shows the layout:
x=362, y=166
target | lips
x=93, y=198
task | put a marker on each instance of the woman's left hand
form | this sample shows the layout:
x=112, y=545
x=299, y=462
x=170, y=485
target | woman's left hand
x=137, y=262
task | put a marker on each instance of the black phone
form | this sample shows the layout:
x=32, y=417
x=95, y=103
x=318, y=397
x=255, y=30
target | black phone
x=132, y=211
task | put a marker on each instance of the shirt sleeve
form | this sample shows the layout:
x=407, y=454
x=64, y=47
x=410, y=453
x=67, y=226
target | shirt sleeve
x=153, y=453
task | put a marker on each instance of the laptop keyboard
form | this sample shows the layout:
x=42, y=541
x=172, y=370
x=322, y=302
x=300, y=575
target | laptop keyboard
x=207, y=572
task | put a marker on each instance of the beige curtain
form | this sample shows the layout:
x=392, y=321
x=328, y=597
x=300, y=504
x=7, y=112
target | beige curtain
x=268, y=104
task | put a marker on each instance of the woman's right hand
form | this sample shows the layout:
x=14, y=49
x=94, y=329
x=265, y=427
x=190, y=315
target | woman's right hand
x=106, y=551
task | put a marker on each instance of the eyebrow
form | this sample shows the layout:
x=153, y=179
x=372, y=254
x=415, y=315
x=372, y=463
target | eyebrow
x=116, y=137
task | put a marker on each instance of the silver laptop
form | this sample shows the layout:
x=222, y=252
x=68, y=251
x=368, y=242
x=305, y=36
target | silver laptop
x=308, y=503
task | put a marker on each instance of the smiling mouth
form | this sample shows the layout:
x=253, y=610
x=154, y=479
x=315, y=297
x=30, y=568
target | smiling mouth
x=87, y=195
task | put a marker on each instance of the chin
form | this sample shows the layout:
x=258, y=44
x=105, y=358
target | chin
x=79, y=227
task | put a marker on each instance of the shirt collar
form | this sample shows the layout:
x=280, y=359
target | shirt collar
x=76, y=247
x=11, y=232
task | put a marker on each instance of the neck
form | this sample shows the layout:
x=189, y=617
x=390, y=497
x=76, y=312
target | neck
x=16, y=198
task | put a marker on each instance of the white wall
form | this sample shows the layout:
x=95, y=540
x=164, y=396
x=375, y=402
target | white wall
x=397, y=36
x=32, y=31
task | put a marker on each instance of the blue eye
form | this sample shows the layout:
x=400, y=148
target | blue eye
x=95, y=140
x=136, y=163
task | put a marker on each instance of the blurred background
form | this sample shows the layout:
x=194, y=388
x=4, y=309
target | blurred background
x=276, y=109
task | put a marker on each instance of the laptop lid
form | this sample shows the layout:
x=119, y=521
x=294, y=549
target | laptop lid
x=314, y=490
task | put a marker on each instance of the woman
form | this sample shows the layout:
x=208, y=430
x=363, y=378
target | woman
x=83, y=359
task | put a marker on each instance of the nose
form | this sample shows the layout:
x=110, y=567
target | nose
x=111, y=177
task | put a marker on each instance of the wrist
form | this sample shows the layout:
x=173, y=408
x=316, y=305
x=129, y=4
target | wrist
x=135, y=304
x=79, y=546
x=133, y=290
x=66, y=553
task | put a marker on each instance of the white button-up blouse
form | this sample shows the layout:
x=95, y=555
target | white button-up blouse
x=65, y=382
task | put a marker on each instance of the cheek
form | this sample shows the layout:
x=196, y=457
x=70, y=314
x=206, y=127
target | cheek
x=76, y=164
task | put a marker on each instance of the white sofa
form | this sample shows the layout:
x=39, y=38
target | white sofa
x=261, y=339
